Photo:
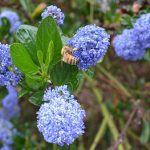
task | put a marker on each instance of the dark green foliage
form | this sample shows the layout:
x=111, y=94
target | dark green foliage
x=22, y=59
x=3, y=92
x=63, y=73
x=4, y=28
x=145, y=135
x=36, y=98
x=47, y=32
x=38, y=57
x=26, y=35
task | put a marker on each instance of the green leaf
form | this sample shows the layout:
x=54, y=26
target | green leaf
x=34, y=82
x=50, y=54
x=36, y=98
x=26, y=35
x=90, y=72
x=147, y=55
x=3, y=92
x=65, y=39
x=126, y=21
x=5, y=27
x=22, y=59
x=145, y=136
x=47, y=32
x=27, y=6
x=23, y=92
x=40, y=57
x=63, y=73
x=19, y=141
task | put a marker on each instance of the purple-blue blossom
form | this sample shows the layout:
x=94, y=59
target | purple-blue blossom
x=6, y=147
x=13, y=19
x=7, y=132
x=60, y=118
x=90, y=44
x=142, y=27
x=2, y=114
x=10, y=103
x=58, y=92
x=9, y=74
x=128, y=45
x=55, y=12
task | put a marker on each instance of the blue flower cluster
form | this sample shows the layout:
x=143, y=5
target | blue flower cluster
x=9, y=77
x=142, y=26
x=128, y=46
x=55, y=12
x=132, y=44
x=10, y=109
x=9, y=74
x=7, y=132
x=60, y=118
x=58, y=92
x=13, y=19
x=90, y=44
x=10, y=104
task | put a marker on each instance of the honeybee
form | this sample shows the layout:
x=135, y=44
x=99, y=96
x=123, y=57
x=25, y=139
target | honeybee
x=67, y=57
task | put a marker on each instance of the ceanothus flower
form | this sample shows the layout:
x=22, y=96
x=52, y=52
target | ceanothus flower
x=9, y=74
x=13, y=19
x=142, y=26
x=6, y=147
x=91, y=43
x=58, y=92
x=128, y=45
x=2, y=114
x=55, y=12
x=60, y=118
x=10, y=103
x=7, y=132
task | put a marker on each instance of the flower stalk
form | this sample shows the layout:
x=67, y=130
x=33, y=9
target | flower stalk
x=114, y=80
x=105, y=111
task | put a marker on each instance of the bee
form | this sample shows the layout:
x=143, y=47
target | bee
x=67, y=56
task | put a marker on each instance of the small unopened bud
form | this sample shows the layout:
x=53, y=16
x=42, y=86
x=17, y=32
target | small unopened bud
x=38, y=10
x=136, y=7
x=120, y=140
x=49, y=81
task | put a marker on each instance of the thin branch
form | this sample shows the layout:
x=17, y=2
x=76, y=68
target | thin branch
x=135, y=137
x=114, y=80
x=122, y=135
x=99, y=134
x=104, y=109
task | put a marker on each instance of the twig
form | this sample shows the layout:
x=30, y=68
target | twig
x=135, y=137
x=80, y=86
x=55, y=147
x=104, y=110
x=81, y=144
x=113, y=79
x=91, y=13
x=99, y=134
x=122, y=135
x=126, y=140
